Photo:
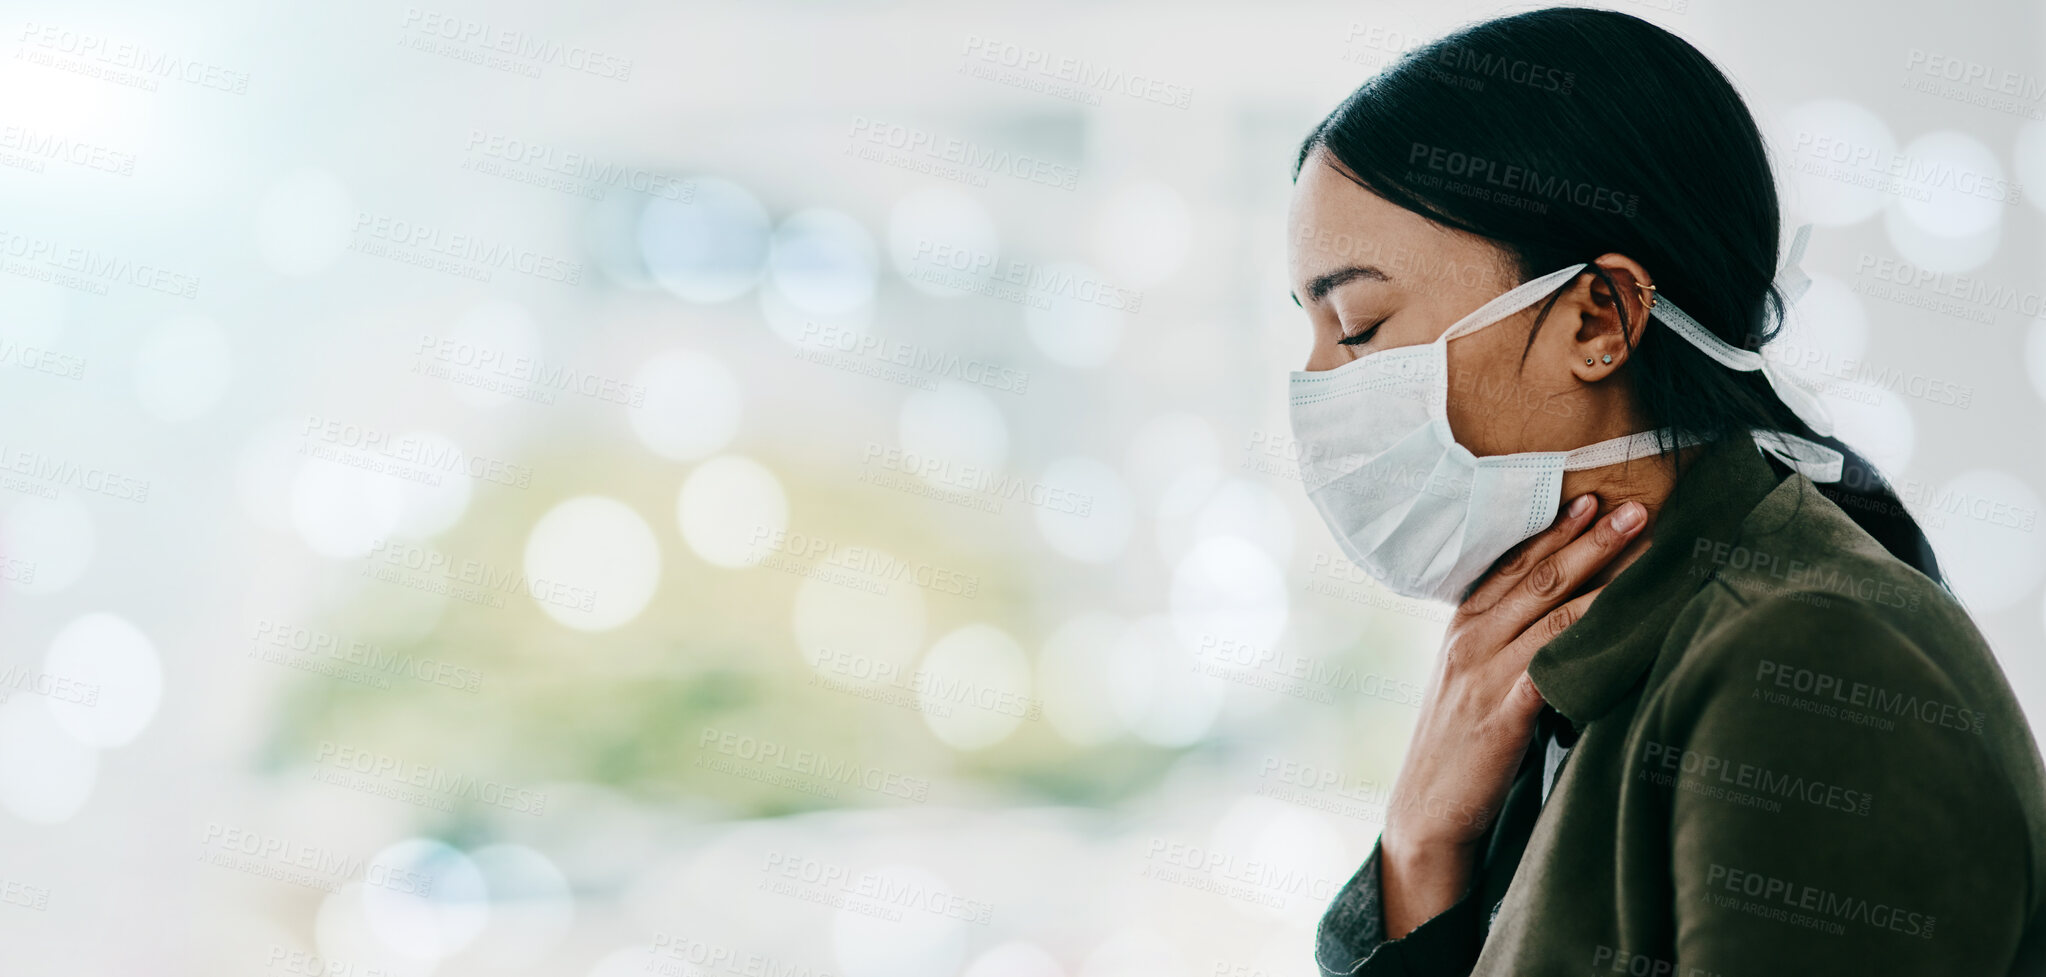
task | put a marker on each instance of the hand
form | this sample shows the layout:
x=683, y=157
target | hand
x=1479, y=712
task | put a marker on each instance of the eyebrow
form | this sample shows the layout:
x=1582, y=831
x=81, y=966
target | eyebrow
x=1324, y=284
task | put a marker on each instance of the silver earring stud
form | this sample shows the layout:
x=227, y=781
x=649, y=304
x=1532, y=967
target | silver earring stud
x=1607, y=358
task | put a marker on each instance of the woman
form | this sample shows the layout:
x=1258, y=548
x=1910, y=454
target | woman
x=1722, y=717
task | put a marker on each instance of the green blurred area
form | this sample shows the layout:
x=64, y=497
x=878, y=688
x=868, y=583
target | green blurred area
x=714, y=649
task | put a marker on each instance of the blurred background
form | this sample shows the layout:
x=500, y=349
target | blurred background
x=797, y=488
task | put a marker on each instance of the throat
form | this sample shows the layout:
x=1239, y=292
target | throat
x=1648, y=481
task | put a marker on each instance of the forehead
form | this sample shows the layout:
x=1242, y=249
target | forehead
x=1333, y=222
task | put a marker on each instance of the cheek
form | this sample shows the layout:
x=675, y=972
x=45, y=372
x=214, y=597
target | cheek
x=1498, y=404
x=1483, y=410
x=1325, y=355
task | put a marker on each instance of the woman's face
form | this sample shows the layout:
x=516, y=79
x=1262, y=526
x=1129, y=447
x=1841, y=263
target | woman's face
x=1372, y=276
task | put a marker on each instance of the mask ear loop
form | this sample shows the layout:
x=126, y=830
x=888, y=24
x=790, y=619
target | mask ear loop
x=1499, y=307
x=1510, y=301
x=1814, y=460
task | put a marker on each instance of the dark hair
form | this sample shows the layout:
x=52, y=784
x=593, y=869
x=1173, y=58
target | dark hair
x=1566, y=133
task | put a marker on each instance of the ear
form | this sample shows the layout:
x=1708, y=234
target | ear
x=1601, y=344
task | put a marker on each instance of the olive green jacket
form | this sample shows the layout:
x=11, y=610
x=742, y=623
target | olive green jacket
x=1793, y=754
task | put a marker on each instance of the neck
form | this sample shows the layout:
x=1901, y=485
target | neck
x=1647, y=481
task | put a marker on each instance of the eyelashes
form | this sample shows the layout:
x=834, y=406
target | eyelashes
x=1362, y=337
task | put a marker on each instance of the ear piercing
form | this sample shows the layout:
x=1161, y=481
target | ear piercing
x=1650, y=291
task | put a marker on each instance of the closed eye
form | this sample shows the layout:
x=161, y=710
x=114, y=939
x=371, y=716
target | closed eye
x=1361, y=338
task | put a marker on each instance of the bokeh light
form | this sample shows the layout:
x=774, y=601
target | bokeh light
x=593, y=563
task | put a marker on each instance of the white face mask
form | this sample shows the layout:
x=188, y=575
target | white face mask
x=1423, y=515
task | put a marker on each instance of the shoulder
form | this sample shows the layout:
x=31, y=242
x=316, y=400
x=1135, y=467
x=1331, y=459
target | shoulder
x=1802, y=587
x=1828, y=651
x=1809, y=645
x=1817, y=700
x=1806, y=625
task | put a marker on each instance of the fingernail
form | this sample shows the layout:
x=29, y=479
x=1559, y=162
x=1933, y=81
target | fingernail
x=1580, y=505
x=1629, y=517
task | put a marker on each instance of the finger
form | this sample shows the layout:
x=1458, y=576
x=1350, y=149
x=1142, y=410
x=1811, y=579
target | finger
x=1553, y=578
x=1523, y=703
x=1544, y=629
x=1512, y=725
x=1525, y=554
x=1557, y=576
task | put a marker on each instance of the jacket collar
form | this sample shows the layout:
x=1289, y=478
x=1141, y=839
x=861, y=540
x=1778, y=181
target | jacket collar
x=1585, y=670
